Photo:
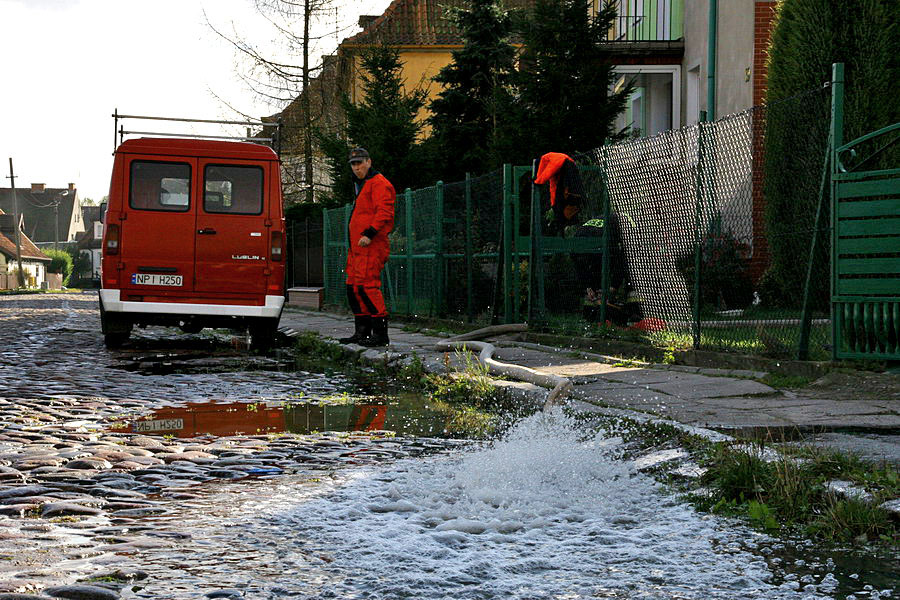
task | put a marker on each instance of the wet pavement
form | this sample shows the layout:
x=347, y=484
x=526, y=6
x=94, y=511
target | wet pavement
x=94, y=443
x=196, y=469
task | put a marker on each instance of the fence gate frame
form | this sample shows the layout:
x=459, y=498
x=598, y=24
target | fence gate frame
x=865, y=285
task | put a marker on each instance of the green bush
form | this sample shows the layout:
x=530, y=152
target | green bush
x=725, y=281
x=61, y=263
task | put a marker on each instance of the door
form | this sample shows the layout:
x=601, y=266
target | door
x=157, y=226
x=232, y=228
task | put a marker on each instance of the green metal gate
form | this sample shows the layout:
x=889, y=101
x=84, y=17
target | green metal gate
x=866, y=242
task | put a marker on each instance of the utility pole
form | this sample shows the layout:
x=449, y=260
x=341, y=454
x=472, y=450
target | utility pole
x=12, y=183
x=56, y=227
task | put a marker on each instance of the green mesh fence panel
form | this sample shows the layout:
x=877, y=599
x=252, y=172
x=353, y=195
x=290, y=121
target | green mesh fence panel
x=335, y=235
x=472, y=229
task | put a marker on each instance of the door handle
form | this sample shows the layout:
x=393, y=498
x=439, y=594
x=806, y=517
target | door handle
x=207, y=231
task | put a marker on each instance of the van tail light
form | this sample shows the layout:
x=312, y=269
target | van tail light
x=112, y=239
x=277, y=245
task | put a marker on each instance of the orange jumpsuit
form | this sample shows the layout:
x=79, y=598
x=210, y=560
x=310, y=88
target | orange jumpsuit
x=373, y=217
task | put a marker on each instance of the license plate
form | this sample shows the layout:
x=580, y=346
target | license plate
x=154, y=279
x=159, y=425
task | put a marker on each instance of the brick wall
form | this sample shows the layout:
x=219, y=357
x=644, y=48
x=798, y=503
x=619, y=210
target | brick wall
x=763, y=21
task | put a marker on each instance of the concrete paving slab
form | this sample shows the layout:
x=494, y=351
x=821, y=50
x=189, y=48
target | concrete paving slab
x=646, y=376
x=712, y=387
x=757, y=402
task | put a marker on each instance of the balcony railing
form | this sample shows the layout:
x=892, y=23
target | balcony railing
x=645, y=21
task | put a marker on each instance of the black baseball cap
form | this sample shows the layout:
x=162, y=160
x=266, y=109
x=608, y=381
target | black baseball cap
x=358, y=155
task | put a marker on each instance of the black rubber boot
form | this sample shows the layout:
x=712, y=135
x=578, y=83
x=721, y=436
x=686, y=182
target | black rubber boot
x=379, y=336
x=363, y=329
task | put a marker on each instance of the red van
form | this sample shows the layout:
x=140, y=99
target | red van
x=193, y=237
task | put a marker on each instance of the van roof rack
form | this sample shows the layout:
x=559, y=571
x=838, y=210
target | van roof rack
x=274, y=141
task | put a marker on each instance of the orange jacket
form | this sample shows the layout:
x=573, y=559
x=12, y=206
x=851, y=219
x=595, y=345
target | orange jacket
x=549, y=170
x=373, y=217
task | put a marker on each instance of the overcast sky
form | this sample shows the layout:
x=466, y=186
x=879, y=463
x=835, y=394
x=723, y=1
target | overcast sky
x=67, y=64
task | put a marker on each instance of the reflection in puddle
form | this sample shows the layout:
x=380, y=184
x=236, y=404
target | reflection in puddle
x=406, y=415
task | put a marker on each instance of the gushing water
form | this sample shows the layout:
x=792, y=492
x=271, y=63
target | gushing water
x=543, y=513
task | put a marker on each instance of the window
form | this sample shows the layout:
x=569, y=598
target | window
x=233, y=189
x=98, y=230
x=160, y=186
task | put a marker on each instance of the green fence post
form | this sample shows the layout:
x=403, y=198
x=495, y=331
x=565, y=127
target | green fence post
x=514, y=208
x=325, y=251
x=806, y=314
x=439, y=249
x=507, y=244
x=698, y=238
x=409, y=251
x=837, y=140
x=470, y=306
x=536, y=283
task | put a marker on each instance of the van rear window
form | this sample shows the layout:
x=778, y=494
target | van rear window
x=233, y=189
x=160, y=186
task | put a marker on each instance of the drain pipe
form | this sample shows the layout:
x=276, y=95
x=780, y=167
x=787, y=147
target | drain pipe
x=712, y=35
x=559, y=386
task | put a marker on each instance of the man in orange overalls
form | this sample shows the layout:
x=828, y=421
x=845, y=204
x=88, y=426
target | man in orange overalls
x=370, y=223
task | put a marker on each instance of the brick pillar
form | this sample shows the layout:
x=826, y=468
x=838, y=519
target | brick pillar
x=763, y=20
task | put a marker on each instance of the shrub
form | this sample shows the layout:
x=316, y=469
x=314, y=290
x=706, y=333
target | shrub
x=61, y=263
x=725, y=281
x=809, y=36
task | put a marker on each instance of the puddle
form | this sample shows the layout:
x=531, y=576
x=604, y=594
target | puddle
x=405, y=415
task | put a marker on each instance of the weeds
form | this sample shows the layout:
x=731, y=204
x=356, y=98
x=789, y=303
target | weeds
x=469, y=383
x=789, y=491
x=310, y=344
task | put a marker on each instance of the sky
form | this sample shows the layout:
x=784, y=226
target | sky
x=68, y=64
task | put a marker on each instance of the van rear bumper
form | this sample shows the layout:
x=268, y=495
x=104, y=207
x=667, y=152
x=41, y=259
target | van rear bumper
x=112, y=302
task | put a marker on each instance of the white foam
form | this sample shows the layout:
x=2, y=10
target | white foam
x=540, y=514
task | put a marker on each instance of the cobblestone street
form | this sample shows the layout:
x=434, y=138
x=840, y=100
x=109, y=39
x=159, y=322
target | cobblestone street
x=80, y=503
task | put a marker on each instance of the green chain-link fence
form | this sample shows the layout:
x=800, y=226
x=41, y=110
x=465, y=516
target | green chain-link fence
x=670, y=242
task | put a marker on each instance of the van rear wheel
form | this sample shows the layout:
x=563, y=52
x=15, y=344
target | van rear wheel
x=262, y=334
x=116, y=329
x=115, y=340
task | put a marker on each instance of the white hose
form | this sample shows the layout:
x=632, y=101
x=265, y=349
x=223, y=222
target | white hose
x=559, y=386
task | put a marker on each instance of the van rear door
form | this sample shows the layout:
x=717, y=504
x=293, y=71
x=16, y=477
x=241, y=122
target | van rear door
x=160, y=199
x=232, y=227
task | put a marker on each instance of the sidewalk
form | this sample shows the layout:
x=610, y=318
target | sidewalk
x=714, y=398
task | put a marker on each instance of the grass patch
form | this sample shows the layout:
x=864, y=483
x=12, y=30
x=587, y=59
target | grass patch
x=787, y=490
x=778, y=340
x=775, y=488
x=312, y=352
x=468, y=383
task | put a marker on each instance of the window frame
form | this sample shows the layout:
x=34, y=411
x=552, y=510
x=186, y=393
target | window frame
x=262, y=188
x=131, y=178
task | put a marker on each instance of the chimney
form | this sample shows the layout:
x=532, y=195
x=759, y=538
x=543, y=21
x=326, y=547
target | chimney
x=37, y=188
x=71, y=187
x=366, y=20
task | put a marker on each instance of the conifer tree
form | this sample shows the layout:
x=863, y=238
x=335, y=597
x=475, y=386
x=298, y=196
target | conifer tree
x=384, y=123
x=565, y=78
x=467, y=116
